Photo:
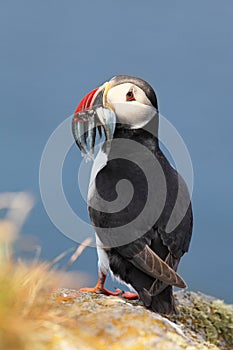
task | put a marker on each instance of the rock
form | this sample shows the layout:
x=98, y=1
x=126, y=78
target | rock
x=209, y=318
x=104, y=322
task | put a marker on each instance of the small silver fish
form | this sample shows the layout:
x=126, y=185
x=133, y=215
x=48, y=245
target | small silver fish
x=107, y=119
x=79, y=135
x=84, y=127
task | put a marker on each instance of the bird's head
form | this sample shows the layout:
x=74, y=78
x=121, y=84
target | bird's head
x=126, y=101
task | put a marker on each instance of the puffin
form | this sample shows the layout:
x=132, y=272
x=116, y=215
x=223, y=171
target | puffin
x=139, y=205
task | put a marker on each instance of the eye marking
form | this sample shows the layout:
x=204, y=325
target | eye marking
x=130, y=96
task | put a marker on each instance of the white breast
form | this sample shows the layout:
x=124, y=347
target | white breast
x=103, y=261
x=99, y=162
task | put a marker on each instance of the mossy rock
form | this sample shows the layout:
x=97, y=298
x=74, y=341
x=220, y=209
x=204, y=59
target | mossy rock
x=208, y=317
x=201, y=322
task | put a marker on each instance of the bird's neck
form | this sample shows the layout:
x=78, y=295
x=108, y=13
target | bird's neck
x=147, y=136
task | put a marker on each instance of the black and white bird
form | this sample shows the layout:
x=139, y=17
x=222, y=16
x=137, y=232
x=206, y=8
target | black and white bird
x=138, y=203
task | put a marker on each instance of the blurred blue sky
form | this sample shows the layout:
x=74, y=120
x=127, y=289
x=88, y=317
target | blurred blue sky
x=53, y=52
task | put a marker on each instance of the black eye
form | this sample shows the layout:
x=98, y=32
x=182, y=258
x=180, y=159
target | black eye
x=130, y=96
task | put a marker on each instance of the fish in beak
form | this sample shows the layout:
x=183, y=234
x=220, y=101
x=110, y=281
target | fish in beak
x=93, y=113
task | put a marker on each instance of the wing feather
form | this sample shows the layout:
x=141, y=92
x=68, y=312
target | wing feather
x=150, y=263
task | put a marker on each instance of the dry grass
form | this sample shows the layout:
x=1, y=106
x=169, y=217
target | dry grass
x=29, y=316
x=23, y=302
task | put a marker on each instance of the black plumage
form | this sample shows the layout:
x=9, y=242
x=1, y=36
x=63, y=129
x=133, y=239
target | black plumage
x=168, y=246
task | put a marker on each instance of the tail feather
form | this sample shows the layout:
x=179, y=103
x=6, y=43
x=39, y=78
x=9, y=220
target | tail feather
x=162, y=303
x=159, y=297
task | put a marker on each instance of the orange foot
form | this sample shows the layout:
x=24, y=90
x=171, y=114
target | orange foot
x=129, y=295
x=118, y=292
x=99, y=289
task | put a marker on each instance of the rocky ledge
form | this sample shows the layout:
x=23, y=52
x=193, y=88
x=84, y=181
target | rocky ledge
x=201, y=322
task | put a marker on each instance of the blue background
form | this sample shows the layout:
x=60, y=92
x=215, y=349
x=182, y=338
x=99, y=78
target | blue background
x=54, y=52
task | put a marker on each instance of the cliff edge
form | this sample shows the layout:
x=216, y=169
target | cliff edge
x=201, y=322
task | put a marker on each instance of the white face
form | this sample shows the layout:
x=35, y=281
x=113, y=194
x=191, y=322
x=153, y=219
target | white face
x=132, y=106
